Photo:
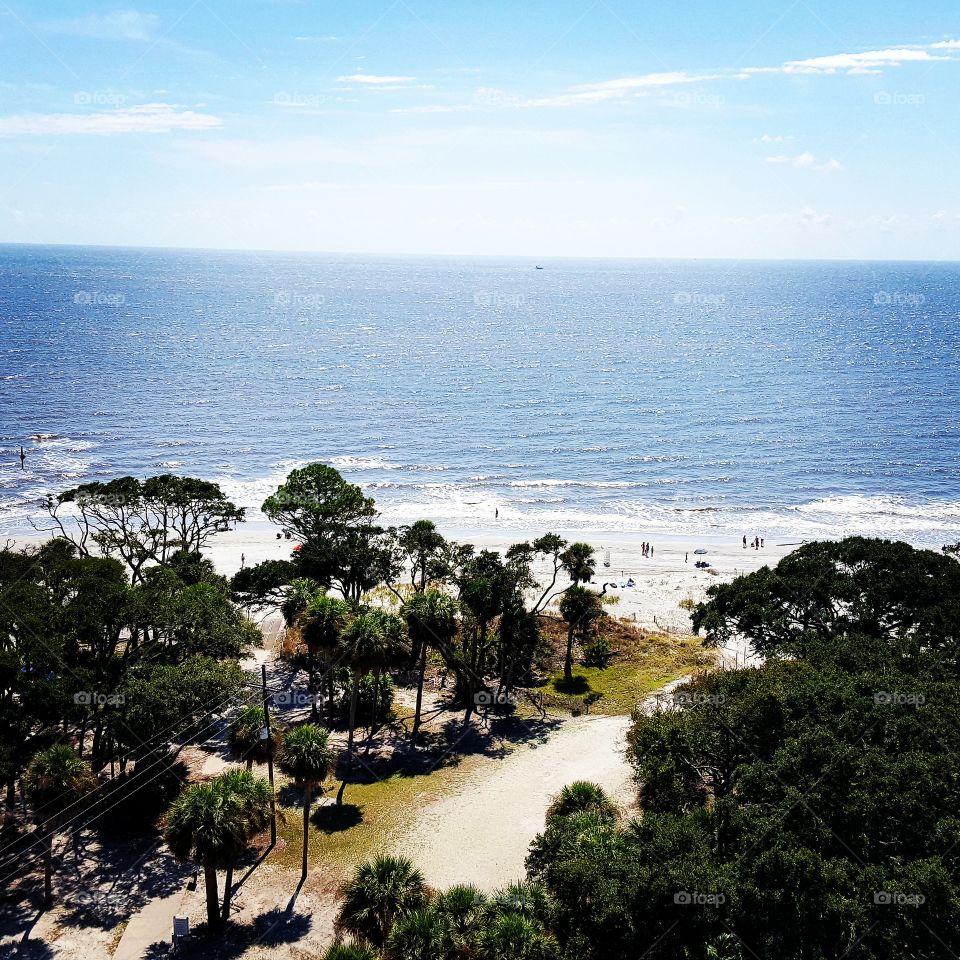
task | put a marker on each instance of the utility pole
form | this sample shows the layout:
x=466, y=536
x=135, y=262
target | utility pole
x=266, y=729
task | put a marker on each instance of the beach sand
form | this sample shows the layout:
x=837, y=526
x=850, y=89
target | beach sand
x=661, y=581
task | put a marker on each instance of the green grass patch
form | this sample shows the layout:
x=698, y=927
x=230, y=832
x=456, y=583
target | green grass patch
x=631, y=676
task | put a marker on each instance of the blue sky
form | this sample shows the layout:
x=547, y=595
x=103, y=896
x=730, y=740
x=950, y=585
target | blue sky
x=795, y=128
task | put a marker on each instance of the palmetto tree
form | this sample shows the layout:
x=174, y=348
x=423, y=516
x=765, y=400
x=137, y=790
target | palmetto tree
x=307, y=757
x=514, y=937
x=350, y=951
x=380, y=892
x=464, y=910
x=55, y=779
x=322, y=621
x=212, y=823
x=579, y=607
x=243, y=735
x=420, y=935
x=431, y=619
x=581, y=796
x=372, y=642
x=579, y=562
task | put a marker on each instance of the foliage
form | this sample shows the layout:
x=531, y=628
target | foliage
x=805, y=808
x=380, y=891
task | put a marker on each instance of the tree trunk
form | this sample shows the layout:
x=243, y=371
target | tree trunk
x=213, y=899
x=568, y=661
x=421, y=673
x=354, y=694
x=48, y=865
x=227, y=893
x=307, y=794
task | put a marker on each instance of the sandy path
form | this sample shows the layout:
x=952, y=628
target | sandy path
x=481, y=833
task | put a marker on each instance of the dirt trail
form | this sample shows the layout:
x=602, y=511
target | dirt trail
x=481, y=833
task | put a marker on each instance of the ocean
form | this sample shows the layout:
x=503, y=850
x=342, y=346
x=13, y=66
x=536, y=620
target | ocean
x=786, y=399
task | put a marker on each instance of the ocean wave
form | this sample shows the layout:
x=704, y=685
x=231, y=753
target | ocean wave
x=362, y=463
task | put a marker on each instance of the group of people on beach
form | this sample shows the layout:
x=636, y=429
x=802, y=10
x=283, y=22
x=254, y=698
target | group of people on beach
x=647, y=549
x=756, y=543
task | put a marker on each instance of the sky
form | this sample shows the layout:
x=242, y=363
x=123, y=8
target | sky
x=596, y=128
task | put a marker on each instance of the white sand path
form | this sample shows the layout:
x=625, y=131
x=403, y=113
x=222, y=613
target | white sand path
x=481, y=833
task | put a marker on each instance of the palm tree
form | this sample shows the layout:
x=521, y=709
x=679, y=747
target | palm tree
x=380, y=891
x=579, y=562
x=528, y=899
x=581, y=796
x=55, y=779
x=251, y=798
x=431, y=619
x=350, y=951
x=373, y=641
x=243, y=735
x=514, y=937
x=212, y=823
x=579, y=607
x=307, y=758
x=420, y=935
x=464, y=909
x=297, y=596
x=321, y=623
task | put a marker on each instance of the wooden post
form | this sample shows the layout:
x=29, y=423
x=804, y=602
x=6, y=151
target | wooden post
x=266, y=718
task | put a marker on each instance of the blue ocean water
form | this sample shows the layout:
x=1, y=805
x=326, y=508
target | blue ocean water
x=796, y=398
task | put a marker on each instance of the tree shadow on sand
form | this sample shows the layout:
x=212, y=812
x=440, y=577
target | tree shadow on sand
x=330, y=818
x=270, y=929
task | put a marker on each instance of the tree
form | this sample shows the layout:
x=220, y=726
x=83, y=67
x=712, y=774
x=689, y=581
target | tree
x=372, y=641
x=579, y=607
x=514, y=937
x=427, y=553
x=420, y=935
x=307, y=758
x=212, y=824
x=265, y=584
x=143, y=521
x=55, y=780
x=431, y=619
x=581, y=796
x=579, y=562
x=243, y=735
x=824, y=590
x=381, y=891
x=321, y=623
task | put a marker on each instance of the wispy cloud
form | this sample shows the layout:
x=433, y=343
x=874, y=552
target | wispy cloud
x=146, y=118
x=806, y=161
x=619, y=88
x=118, y=25
x=870, y=61
x=372, y=79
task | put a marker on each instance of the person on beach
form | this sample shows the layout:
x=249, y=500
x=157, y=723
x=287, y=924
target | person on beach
x=761, y=543
x=243, y=560
x=686, y=558
x=496, y=513
x=23, y=457
x=744, y=541
x=651, y=549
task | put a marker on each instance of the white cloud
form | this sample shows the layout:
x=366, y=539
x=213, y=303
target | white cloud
x=945, y=45
x=769, y=138
x=373, y=80
x=147, y=118
x=119, y=25
x=806, y=161
x=619, y=88
x=435, y=108
x=871, y=61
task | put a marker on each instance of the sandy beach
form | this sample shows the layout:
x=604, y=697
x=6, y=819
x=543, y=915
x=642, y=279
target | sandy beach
x=661, y=581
